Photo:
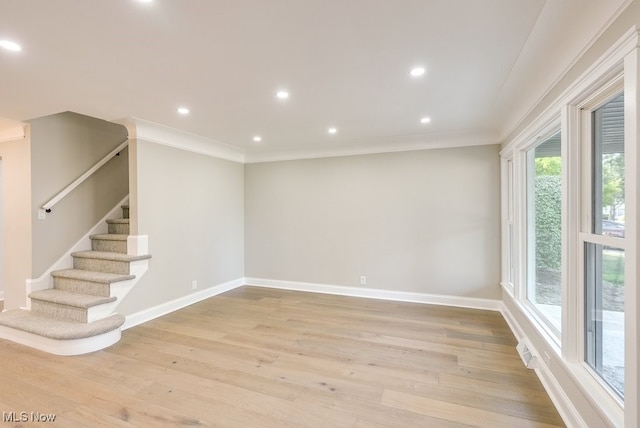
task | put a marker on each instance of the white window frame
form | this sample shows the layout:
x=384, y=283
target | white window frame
x=550, y=331
x=622, y=59
x=585, y=109
x=508, y=226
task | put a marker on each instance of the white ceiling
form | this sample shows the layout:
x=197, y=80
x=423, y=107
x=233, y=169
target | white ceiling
x=345, y=63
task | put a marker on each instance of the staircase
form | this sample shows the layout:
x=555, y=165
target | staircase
x=77, y=316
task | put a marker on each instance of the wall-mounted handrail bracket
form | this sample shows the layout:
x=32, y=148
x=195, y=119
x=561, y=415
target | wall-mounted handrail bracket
x=64, y=192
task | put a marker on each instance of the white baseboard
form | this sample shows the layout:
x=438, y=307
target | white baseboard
x=173, y=305
x=511, y=322
x=370, y=293
x=565, y=407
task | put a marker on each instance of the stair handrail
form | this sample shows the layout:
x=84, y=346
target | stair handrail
x=64, y=192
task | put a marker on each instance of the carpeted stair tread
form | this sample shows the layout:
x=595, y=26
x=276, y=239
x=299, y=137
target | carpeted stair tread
x=110, y=237
x=57, y=329
x=118, y=221
x=70, y=299
x=91, y=276
x=104, y=255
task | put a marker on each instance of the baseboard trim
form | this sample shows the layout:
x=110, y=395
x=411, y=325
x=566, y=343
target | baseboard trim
x=370, y=293
x=560, y=399
x=179, y=303
x=401, y=296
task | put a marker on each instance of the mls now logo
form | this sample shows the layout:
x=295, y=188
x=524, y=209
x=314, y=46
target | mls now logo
x=27, y=417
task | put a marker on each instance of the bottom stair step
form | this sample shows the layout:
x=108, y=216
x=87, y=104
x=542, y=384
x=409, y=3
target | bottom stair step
x=65, y=305
x=52, y=328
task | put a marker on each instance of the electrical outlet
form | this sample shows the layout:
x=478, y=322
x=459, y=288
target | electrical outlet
x=194, y=284
x=363, y=280
x=42, y=215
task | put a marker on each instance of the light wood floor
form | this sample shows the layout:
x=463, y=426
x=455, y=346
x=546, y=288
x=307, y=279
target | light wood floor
x=257, y=357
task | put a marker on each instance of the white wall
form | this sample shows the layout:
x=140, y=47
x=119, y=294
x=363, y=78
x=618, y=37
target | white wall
x=423, y=221
x=191, y=206
x=16, y=215
x=1, y=235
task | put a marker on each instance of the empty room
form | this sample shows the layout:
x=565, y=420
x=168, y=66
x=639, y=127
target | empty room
x=357, y=213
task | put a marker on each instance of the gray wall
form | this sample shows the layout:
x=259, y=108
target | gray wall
x=423, y=221
x=63, y=147
x=192, y=208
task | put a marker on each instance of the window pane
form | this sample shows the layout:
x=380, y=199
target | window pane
x=604, y=265
x=605, y=315
x=544, y=202
x=511, y=267
x=608, y=168
x=510, y=203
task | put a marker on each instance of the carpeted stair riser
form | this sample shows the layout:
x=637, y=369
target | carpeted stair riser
x=86, y=282
x=118, y=226
x=59, y=311
x=98, y=265
x=125, y=211
x=119, y=246
x=83, y=287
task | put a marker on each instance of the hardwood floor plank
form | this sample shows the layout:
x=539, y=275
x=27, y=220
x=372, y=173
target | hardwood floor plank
x=456, y=412
x=272, y=358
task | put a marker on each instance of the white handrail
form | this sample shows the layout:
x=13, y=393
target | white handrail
x=64, y=192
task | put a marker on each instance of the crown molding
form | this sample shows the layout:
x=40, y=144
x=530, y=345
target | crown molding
x=172, y=137
x=11, y=130
x=160, y=134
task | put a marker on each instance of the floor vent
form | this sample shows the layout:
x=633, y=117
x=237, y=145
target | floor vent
x=529, y=360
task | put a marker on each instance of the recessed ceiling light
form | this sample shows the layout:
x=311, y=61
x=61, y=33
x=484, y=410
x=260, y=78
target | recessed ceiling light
x=10, y=46
x=283, y=95
x=145, y=1
x=425, y=120
x=183, y=111
x=332, y=130
x=257, y=138
x=417, y=71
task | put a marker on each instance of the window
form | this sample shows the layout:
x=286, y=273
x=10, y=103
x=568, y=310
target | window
x=544, y=232
x=508, y=278
x=604, y=255
x=591, y=285
x=510, y=231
